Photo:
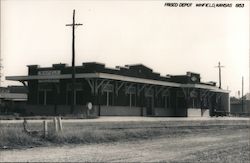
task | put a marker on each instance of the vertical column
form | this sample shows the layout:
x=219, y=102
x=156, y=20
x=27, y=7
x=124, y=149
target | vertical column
x=136, y=95
x=153, y=101
x=98, y=96
x=130, y=100
x=94, y=96
x=107, y=98
x=144, y=100
x=45, y=97
x=113, y=93
x=74, y=97
x=229, y=105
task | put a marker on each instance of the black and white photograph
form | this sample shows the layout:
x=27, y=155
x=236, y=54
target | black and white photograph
x=125, y=81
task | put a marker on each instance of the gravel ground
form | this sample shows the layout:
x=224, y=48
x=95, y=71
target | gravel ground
x=215, y=144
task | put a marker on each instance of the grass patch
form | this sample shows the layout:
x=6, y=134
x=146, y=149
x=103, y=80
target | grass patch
x=13, y=136
x=102, y=136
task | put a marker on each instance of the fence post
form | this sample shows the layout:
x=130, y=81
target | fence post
x=55, y=124
x=45, y=128
x=60, y=124
x=25, y=125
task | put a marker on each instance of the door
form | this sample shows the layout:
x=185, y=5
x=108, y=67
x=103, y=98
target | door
x=149, y=105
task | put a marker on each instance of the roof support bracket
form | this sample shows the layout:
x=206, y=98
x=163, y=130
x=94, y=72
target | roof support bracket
x=186, y=92
x=218, y=96
x=148, y=89
x=118, y=87
x=166, y=90
x=204, y=93
x=103, y=85
x=24, y=83
x=130, y=85
x=140, y=89
x=210, y=94
x=159, y=90
x=91, y=84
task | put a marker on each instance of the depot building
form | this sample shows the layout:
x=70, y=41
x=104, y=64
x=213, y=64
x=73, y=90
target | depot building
x=132, y=90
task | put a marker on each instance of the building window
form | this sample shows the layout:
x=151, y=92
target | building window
x=195, y=103
x=41, y=97
x=131, y=95
x=69, y=97
x=78, y=93
x=166, y=100
x=50, y=97
x=194, y=99
x=149, y=92
x=46, y=94
x=46, y=97
x=204, y=103
x=108, y=97
x=79, y=97
x=180, y=100
x=107, y=89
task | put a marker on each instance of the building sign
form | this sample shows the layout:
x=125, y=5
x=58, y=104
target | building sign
x=49, y=73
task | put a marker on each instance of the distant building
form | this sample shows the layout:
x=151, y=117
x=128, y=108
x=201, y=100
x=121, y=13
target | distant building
x=248, y=96
x=133, y=90
x=239, y=107
x=13, y=99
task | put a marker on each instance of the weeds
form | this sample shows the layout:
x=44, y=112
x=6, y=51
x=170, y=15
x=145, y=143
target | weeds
x=13, y=136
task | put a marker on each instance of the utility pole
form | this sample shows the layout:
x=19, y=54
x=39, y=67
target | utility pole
x=73, y=61
x=219, y=66
x=1, y=67
x=242, y=94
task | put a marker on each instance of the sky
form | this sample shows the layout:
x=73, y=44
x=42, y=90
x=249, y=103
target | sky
x=170, y=40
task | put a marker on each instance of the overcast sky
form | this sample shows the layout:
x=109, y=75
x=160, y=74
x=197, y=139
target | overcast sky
x=169, y=40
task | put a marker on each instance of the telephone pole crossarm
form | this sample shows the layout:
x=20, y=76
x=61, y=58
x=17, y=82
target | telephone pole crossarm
x=72, y=24
x=219, y=66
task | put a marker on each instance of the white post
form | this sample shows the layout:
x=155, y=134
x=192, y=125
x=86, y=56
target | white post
x=45, y=128
x=60, y=124
x=55, y=124
x=25, y=125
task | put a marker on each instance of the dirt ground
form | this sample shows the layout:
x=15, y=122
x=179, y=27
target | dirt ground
x=215, y=144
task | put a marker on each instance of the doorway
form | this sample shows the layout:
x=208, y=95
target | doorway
x=149, y=105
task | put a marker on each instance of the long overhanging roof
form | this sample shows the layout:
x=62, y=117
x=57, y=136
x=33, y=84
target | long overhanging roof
x=115, y=77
